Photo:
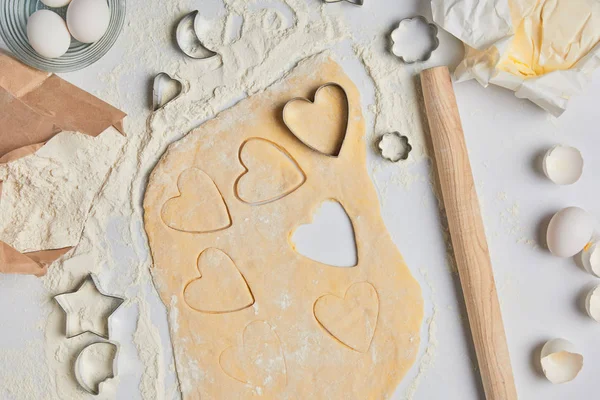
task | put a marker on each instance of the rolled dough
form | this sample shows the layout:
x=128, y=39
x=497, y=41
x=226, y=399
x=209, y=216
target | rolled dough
x=314, y=331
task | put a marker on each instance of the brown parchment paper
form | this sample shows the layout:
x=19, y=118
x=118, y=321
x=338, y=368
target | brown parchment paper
x=34, y=107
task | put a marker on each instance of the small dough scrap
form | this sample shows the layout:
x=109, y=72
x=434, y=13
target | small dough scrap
x=271, y=173
x=221, y=287
x=258, y=361
x=199, y=207
x=351, y=320
x=320, y=124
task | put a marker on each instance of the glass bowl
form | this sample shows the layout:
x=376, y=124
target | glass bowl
x=13, y=29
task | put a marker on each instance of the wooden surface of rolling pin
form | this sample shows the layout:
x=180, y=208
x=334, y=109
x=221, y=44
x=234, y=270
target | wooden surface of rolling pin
x=468, y=235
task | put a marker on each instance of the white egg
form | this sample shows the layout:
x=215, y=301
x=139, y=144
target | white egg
x=88, y=19
x=56, y=3
x=48, y=34
x=569, y=231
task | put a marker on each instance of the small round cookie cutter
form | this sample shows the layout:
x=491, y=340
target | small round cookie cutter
x=394, y=147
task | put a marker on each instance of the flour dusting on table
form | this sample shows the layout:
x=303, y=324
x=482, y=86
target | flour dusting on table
x=257, y=43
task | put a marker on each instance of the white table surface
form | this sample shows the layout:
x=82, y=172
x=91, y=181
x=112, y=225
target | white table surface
x=540, y=294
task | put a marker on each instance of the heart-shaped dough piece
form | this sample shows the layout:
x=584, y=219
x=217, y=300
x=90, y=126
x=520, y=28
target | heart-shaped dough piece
x=199, y=208
x=271, y=172
x=322, y=124
x=258, y=361
x=221, y=287
x=353, y=319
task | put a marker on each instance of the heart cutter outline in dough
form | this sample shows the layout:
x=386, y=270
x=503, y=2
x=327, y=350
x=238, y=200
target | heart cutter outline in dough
x=344, y=299
x=247, y=171
x=181, y=195
x=202, y=276
x=232, y=348
x=306, y=100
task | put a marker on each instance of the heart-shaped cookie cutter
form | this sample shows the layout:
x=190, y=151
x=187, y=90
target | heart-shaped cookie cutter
x=304, y=99
x=158, y=90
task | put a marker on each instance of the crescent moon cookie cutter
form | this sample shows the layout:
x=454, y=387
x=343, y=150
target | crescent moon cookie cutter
x=337, y=152
x=73, y=313
x=353, y=2
x=400, y=39
x=83, y=365
x=188, y=41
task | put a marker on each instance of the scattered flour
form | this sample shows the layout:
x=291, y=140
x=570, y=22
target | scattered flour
x=257, y=43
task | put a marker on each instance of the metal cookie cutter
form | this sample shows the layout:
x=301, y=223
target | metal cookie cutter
x=188, y=41
x=304, y=99
x=394, y=147
x=87, y=362
x=401, y=30
x=164, y=90
x=74, y=314
x=355, y=2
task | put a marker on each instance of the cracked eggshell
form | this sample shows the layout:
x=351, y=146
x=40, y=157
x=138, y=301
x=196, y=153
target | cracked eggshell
x=592, y=303
x=569, y=231
x=563, y=165
x=590, y=258
x=560, y=362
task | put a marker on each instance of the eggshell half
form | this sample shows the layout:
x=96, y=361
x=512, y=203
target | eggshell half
x=592, y=304
x=560, y=362
x=563, y=165
x=569, y=231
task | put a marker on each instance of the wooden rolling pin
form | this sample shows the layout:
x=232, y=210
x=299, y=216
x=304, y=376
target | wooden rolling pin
x=468, y=235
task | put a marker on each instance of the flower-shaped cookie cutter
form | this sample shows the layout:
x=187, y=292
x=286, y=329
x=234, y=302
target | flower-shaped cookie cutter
x=394, y=147
x=401, y=30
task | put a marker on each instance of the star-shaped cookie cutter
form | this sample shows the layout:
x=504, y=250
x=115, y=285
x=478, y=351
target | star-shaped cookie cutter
x=72, y=332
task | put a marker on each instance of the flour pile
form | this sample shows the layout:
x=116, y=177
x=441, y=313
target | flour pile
x=96, y=196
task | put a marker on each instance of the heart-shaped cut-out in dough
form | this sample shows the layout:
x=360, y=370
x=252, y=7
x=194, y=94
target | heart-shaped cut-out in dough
x=271, y=172
x=199, y=208
x=329, y=238
x=258, y=361
x=353, y=319
x=321, y=124
x=221, y=287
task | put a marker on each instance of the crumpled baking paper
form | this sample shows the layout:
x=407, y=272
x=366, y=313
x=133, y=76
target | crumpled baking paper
x=34, y=107
x=486, y=28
